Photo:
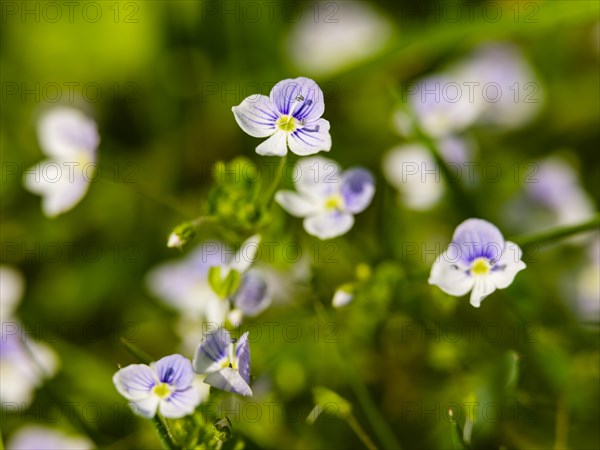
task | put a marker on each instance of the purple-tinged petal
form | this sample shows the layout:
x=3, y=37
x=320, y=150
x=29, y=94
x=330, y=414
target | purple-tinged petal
x=180, y=403
x=242, y=353
x=174, y=370
x=276, y=145
x=256, y=115
x=212, y=351
x=300, y=97
x=329, y=225
x=64, y=131
x=135, y=382
x=229, y=380
x=478, y=238
x=252, y=297
x=358, y=188
x=313, y=138
x=506, y=268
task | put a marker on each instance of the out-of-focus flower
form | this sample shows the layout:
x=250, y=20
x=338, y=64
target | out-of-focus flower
x=555, y=185
x=70, y=140
x=165, y=386
x=12, y=286
x=338, y=36
x=477, y=260
x=33, y=437
x=441, y=107
x=226, y=361
x=290, y=117
x=411, y=169
x=508, y=92
x=326, y=197
x=588, y=284
x=211, y=281
x=24, y=364
x=183, y=284
x=343, y=295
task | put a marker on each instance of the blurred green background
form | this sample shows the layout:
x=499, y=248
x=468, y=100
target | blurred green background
x=160, y=79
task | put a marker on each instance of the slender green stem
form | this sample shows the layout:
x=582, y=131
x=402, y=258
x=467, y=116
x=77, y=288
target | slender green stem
x=362, y=435
x=557, y=233
x=374, y=416
x=166, y=438
x=461, y=198
x=145, y=191
x=276, y=181
x=1, y=441
x=136, y=352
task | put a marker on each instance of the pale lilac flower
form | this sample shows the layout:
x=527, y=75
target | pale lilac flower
x=508, y=91
x=165, y=386
x=290, y=117
x=326, y=197
x=226, y=361
x=24, y=363
x=184, y=284
x=339, y=37
x=33, y=437
x=441, y=107
x=555, y=185
x=478, y=260
x=69, y=139
x=411, y=169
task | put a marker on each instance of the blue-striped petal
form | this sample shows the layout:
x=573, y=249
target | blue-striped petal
x=242, y=353
x=229, y=380
x=175, y=370
x=212, y=351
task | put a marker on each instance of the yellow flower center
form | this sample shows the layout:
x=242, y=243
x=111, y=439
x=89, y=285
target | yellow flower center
x=287, y=123
x=480, y=267
x=334, y=201
x=163, y=390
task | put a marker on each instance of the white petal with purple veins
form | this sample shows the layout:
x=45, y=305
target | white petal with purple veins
x=135, y=382
x=242, y=353
x=229, y=380
x=180, y=403
x=212, y=351
x=174, y=370
x=300, y=97
x=313, y=138
x=256, y=115
x=507, y=267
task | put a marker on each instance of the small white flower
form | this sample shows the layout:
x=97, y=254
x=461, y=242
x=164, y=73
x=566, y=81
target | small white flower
x=327, y=198
x=477, y=260
x=342, y=297
x=69, y=139
x=33, y=437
